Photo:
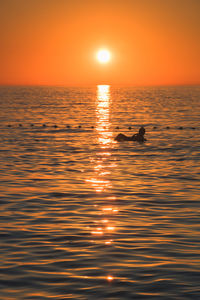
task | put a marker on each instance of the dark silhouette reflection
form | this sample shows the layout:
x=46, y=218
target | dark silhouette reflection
x=138, y=137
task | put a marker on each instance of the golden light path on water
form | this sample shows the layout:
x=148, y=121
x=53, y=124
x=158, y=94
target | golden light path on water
x=104, y=227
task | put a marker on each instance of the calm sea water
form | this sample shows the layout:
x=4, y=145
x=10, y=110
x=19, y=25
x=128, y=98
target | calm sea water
x=85, y=217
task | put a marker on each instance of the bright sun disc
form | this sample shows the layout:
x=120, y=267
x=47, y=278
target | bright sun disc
x=103, y=56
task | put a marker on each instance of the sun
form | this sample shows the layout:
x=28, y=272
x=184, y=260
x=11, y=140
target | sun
x=103, y=56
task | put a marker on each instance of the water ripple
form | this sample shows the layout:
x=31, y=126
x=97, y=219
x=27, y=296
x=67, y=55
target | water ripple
x=84, y=217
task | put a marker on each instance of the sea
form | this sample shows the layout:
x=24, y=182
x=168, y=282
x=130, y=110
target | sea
x=83, y=216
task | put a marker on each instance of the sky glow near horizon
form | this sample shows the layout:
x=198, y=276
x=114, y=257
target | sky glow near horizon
x=52, y=42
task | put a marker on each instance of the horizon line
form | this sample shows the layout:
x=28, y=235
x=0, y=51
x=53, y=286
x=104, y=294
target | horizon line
x=96, y=84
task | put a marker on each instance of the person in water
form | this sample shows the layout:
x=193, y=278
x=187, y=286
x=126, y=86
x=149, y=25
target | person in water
x=139, y=137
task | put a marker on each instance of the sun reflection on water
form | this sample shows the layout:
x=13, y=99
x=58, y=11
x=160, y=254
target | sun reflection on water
x=103, y=116
x=104, y=226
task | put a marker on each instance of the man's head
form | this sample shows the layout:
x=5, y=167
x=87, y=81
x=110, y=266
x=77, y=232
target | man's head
x=141, y=131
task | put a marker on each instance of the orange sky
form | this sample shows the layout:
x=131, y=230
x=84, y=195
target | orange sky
x=53, y=42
